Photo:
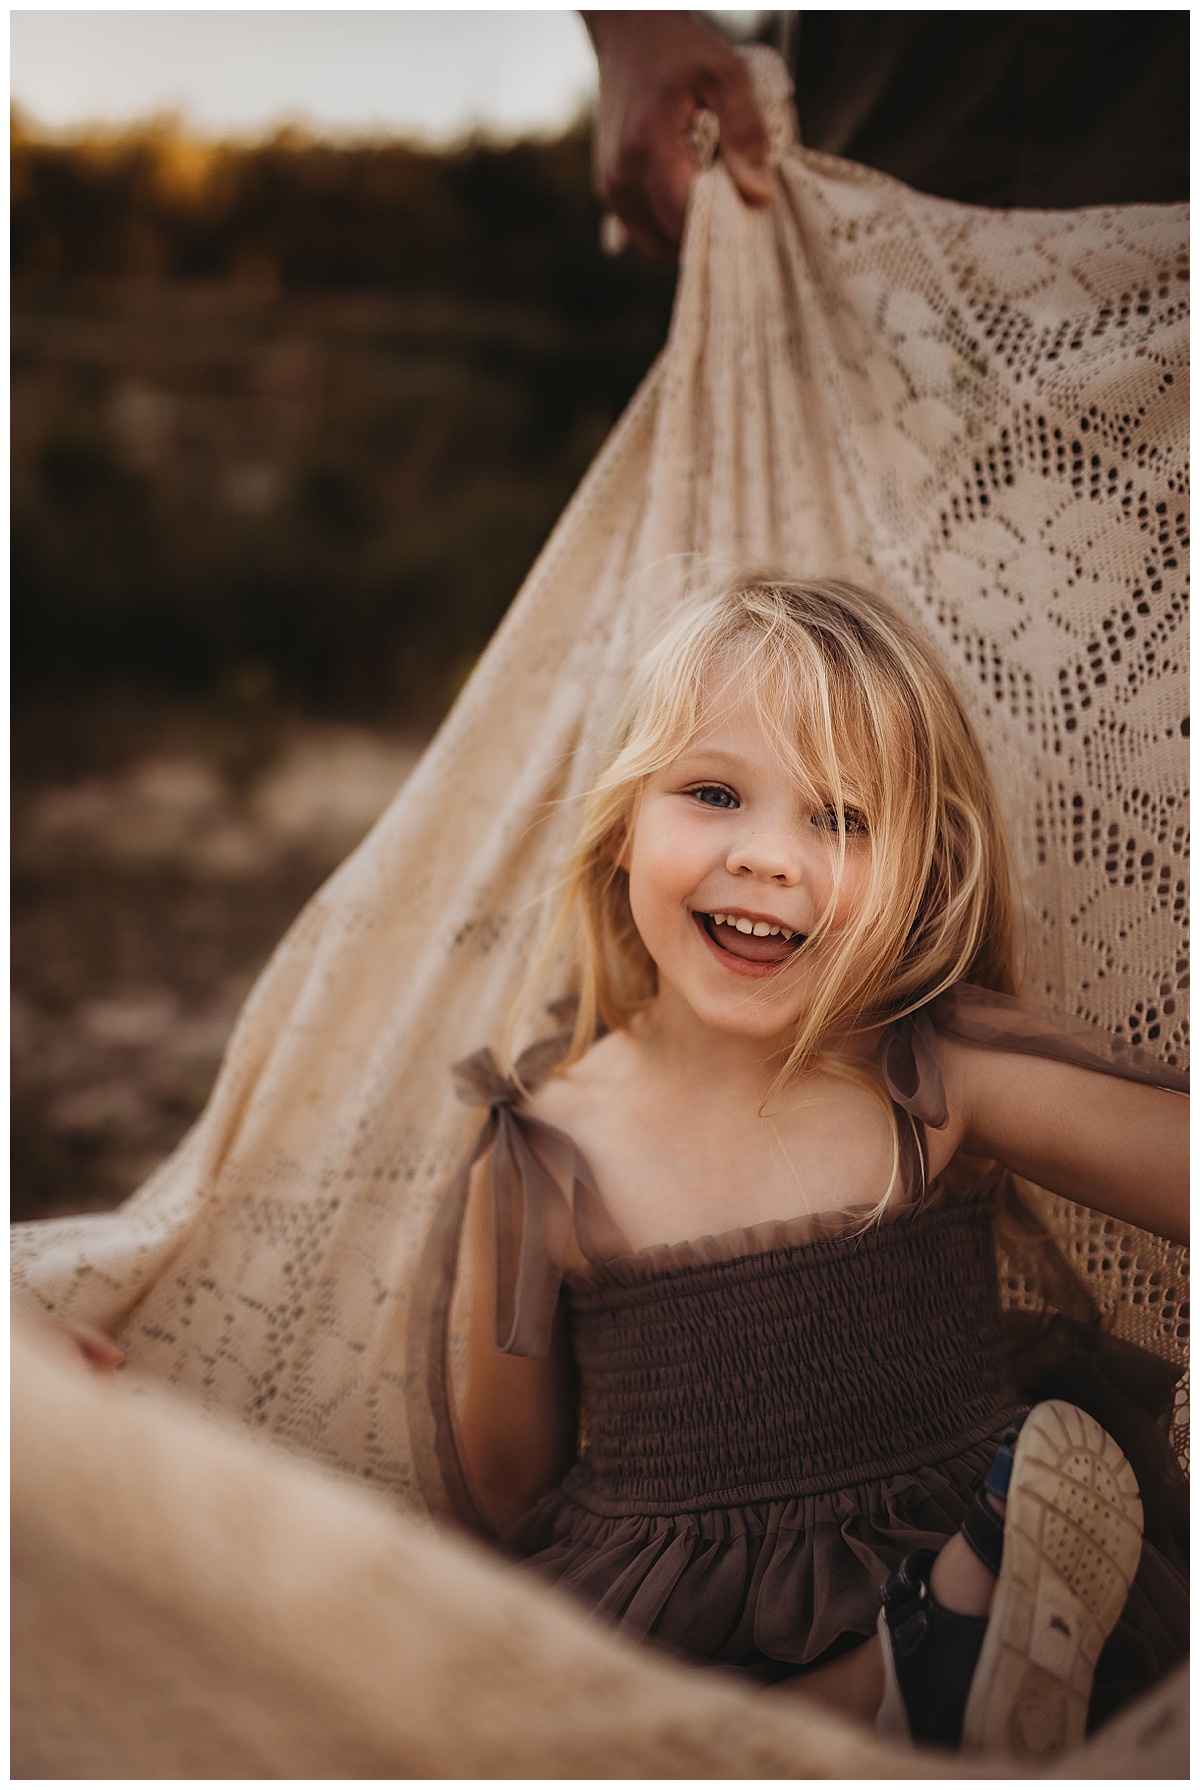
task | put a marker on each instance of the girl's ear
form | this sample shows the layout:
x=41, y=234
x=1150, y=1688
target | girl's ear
x=616, y=848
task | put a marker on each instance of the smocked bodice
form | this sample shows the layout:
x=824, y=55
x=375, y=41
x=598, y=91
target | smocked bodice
x=792, y=1370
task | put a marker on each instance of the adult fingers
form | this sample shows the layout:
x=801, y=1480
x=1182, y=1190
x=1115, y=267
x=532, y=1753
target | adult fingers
x=666, y=181
x=648, y=179
x=641, y=227
x=655, y=169
x=645, y=161
x=728, y=93
x=636, y=199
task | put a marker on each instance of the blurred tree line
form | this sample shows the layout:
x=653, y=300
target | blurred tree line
x=293, y=420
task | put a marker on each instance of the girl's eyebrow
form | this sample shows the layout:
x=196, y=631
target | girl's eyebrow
x=699, y=749
x=710, y=763
x=723, y=753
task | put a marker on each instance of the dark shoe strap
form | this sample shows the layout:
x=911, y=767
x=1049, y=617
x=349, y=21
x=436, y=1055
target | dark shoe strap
x=983, y=1532
x=934, y=1651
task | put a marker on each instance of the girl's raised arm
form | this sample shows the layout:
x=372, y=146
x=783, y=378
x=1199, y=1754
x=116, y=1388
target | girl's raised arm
x=516, y=1419
x=1118, y=1146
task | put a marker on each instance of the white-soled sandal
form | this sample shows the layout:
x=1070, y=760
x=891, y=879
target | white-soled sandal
x=1072, y=1542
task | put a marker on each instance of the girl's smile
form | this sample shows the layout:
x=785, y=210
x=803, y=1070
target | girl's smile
x=753, y=945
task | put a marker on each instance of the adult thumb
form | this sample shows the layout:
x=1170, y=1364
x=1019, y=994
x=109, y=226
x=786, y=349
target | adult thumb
x=743, y=137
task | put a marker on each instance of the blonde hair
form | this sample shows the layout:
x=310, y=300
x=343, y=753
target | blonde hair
x=861, y=712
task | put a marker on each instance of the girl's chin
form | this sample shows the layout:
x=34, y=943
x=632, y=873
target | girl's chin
x=742, y=1012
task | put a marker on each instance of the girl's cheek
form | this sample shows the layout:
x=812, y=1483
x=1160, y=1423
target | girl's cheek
x=849, y=895
x=672, y=847
x=839, y=897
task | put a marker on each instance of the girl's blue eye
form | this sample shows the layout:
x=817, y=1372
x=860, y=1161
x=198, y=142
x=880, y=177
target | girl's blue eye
x=855, y=822
x=713, y=796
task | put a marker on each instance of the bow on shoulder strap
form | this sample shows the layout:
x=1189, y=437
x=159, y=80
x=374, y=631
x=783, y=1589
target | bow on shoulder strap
x=912, y=1074
x=912, y=1069
x=541, y=1190
x=910, y=1049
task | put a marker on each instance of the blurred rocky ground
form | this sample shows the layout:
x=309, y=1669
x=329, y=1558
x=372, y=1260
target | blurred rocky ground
x=148, y=892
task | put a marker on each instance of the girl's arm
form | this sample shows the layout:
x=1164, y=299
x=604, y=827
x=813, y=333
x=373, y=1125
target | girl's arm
x=517, y=1417
x=1118, y=1146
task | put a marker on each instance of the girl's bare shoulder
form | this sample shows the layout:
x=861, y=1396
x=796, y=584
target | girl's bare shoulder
x=573, y=1099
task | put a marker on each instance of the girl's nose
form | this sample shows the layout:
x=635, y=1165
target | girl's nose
x=770, y=853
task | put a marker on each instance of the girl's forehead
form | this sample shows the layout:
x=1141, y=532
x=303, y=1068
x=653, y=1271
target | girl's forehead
x=757, y=722
x=729, y=703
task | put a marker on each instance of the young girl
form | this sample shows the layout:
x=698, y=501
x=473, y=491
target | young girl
x=727, y=1275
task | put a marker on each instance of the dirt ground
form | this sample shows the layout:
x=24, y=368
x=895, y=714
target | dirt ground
x=155, y=866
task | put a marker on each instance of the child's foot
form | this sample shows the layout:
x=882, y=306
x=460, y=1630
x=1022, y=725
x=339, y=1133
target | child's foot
x=1072, y=1542
x=1064, y=1548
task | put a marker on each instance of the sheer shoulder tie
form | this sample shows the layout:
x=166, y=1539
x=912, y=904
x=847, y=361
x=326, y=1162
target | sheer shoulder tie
x=981, y=1016
x=912, y=1068
x=542, y=1190
x=909, y=1052
x=910, y=1049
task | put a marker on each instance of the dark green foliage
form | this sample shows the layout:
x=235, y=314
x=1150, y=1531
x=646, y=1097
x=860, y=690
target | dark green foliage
x=301, y=414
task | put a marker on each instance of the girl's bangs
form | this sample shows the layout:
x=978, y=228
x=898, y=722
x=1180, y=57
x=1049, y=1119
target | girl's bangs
x=810, y=719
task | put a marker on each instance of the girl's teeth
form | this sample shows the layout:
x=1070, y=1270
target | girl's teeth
x=760, y=928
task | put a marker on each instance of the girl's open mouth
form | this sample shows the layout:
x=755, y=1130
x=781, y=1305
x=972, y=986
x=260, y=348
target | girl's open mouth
x=749, y=952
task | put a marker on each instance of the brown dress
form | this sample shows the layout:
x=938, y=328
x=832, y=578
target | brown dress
x=775, y=1416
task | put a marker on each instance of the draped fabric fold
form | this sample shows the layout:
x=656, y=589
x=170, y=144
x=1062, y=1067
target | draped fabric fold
x=912, y=1073
x=780, y=1587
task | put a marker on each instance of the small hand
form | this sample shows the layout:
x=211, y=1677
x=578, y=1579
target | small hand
x=82, y=1343
x=656, y=70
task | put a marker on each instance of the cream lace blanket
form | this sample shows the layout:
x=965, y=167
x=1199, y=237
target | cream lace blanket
x=190, y=1604
x=982, y=413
